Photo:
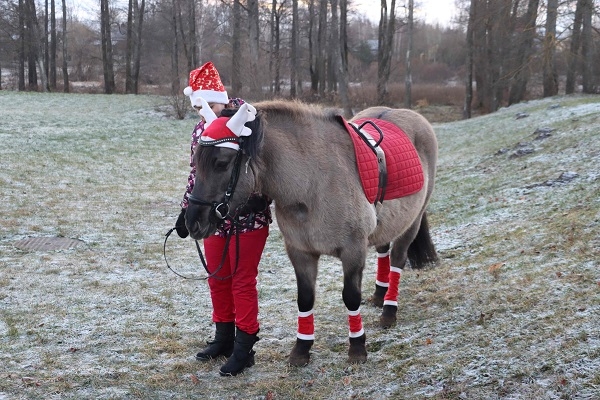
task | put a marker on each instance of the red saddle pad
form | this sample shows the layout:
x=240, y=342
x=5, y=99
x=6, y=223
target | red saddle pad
x=405, y=173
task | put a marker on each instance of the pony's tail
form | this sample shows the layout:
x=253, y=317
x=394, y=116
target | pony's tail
x=421, y=251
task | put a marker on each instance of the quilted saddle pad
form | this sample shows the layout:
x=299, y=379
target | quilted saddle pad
x=404, y=170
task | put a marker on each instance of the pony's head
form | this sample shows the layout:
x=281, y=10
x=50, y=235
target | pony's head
x=224, y=173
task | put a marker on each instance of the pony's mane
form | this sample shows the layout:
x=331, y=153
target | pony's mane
x=295, y=110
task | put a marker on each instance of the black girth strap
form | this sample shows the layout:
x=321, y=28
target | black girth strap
x=374, y=145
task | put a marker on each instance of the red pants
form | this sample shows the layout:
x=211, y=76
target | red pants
x=235, y=299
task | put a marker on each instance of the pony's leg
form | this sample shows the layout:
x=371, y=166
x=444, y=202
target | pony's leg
x=382, y=276
x=305, y=267
x=399, y=255
x=353, y=262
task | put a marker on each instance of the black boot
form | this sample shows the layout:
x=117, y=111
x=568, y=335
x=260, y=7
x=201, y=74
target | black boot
x=222, y=345
x=243, y=355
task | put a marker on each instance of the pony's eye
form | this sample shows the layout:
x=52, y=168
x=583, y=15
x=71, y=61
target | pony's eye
x=221, y=165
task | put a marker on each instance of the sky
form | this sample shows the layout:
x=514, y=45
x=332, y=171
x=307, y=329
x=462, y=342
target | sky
x=432, y=11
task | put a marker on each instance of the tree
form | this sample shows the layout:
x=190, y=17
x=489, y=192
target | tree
x=385, y=49
x=236, y=49
x=52, y=50
x=574, y=48
x=321, y=56
x=294, y=51
x=467, y=108
x=550, y=78
x=409, y=47
x=135, y=18
x=107, y=52
x=343, y=65
x=65, y=69
x=275, y=59
x=253, y=45
x=587, y=46
x=524, y=52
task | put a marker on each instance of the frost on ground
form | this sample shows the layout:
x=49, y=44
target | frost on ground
x=510, y=312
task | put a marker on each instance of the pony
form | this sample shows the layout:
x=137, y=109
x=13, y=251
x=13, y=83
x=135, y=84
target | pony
x=303, y=158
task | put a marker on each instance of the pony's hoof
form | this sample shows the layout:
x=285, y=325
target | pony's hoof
x=357, y=353
x=375, y=301
x=300, y=355
x=388, y=316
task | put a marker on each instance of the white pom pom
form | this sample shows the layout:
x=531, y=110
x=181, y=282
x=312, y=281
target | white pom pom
x=188, y=91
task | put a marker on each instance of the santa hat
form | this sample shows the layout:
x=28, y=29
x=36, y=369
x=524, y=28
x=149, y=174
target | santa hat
x=205, y=82
x=224, y=131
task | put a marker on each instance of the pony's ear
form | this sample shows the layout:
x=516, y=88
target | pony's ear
x=246, y=113
x=207, y=112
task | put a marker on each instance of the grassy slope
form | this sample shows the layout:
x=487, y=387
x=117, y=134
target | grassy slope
x=510, y=312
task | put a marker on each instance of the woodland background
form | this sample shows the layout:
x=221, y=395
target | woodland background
x=492, y=54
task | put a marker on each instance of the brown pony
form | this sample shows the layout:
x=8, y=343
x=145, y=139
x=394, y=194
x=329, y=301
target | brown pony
x=303, y=158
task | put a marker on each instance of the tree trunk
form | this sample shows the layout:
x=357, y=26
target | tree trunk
x=254, y=49
x=573, y=65
x=384, y=54
x=312, y=52
x=53, y=42
x=333, y=54
x=22, y=30
x=236, y=47
x=194, y=59
x=31, y=44
x=343, y=65
x=137, y=47
x=467, y=107
x=409, y=47
x=276, y=49
x=519, y=85
x=294, y=51
x=174, y=52
x=550, y=74
x=587, y=47
x=65, y=69
x=322, y=48
x=129, y=50
x=107, y=53
x=46, y=37
x=36, y=51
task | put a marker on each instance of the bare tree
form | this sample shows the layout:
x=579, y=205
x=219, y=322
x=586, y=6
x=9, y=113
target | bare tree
x=574, y=48
x=333, y=55
x=467, y=108
x=384, y=54
x=275, y=49
x=524, y=52
x=107, y=52
x=321, y=59
x=312, y=48
x=343, y=65
x=53, y=41
x=548, y=58
x=294, y=51
x=135, y=18
x=236, y=47
x=253, y=45
x=587, y=45
x=65, y=67
x=409, y=48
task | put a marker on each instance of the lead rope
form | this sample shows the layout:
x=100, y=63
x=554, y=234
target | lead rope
x=234, y=227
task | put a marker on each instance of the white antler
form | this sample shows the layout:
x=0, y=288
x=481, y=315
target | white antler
x=246, y=113
x=207, y=112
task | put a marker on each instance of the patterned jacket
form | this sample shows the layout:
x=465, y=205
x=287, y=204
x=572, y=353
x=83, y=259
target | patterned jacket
x=248, y=221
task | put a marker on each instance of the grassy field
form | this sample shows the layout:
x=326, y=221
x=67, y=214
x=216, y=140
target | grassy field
x=512, y=310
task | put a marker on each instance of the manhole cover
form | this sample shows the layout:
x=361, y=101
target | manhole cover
x=47, y=243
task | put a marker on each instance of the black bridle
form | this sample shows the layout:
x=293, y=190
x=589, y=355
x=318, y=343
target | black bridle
x=221, y=211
